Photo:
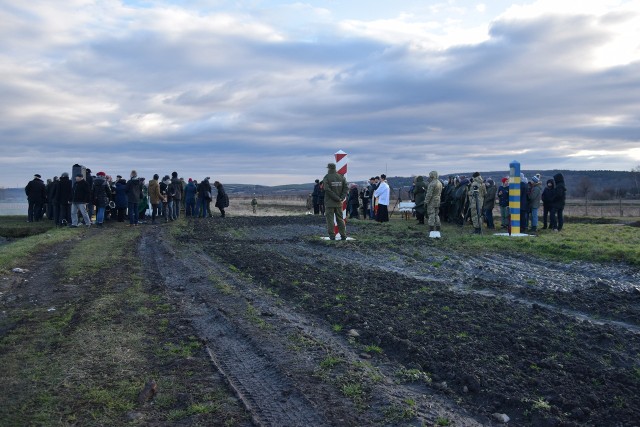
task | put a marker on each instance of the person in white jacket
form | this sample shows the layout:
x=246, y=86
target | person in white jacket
x=382, y=193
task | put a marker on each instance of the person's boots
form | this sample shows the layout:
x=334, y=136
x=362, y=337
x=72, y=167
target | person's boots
x=432, y=233
x=438, y=235
x=476, y=231
x=534, y=229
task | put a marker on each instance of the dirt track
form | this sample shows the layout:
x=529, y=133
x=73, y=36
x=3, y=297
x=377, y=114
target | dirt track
x=441, y=337
x=390, y=329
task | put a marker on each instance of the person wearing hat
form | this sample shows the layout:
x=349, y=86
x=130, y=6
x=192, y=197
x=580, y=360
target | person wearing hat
x=335, y=192
x=190, y=198
x=80, y=196
x=431, y=204
x=36, y=196
x=534, y=202
x=100, y=193
x=62, y=196
x=503, y=201
x=547, y=199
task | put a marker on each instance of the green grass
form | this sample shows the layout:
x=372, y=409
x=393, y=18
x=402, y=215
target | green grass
x=11, y=253
x=90, y=255
x=585, y=242
x=17, y=226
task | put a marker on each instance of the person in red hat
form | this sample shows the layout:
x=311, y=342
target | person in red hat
x=503, y=201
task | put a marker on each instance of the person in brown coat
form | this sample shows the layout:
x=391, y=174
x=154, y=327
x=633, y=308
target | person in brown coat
x=155, y=197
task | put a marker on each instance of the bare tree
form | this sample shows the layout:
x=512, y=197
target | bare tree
x=584, y=187
x=635, y=173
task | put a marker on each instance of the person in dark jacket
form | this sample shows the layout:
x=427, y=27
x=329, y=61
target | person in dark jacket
x=190, y=198
x=51, y=204
x=460, y=200
x=177, y=194
x=89, y=180
x=557, y=205
x=134, y=194
x=62, y=196
x=80, y=196
x=365, y=196
x=222, y=200
x=100, y=196
x=419, y=192
x=353, y=201
x=547, y=201
x=503, y=201
x=535, y=195
x=524, y=202
x=490, y=203
x=36, y=196
x=315, y=197
x=204, y=198
x=121, y=199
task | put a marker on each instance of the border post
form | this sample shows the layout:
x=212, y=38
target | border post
x=514, y=196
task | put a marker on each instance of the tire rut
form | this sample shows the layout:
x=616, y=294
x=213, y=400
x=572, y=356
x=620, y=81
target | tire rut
x=275, y=383
x=264, y=389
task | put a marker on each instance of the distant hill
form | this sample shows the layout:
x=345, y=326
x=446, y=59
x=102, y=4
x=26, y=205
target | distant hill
x=598, y=185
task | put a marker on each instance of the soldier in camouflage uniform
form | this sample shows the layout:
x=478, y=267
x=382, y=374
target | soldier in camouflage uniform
x=477, y=191
x=432, y=204
x=335, y=191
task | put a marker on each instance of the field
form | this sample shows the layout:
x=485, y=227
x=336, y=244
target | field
x=254, y=319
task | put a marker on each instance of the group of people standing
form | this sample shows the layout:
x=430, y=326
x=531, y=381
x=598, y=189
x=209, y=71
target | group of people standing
x=66, y=201
x=464, y=198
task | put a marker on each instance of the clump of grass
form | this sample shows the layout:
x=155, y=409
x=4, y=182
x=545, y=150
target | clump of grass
x=413, y=375
x=330, y=362
x=372, y=348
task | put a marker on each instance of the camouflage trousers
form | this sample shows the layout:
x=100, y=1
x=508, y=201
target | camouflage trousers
x=432, y=212
x=329, y=214
x=475, y=217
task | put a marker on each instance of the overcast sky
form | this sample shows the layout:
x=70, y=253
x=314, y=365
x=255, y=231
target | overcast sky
x=264, y=92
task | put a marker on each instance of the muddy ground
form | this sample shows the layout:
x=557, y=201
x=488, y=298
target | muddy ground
x=389, y=329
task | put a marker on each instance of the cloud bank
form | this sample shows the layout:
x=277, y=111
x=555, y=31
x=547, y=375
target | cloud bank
x=267, y=95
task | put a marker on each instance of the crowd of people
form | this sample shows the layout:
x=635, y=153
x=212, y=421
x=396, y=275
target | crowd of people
x=455, y=199
x=68, y=201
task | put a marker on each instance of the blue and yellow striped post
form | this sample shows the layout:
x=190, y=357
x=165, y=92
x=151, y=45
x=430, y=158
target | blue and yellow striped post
x=514, y=196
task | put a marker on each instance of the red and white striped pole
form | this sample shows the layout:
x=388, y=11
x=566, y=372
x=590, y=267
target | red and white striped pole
x=341, y=167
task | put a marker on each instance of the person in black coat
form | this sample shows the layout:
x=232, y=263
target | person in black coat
x=316, y=197
x=51, y=205
x=222, y=200
x=134, y=194
x=557, y=204
x=353, y=202
x=204, y=198
x=547, y=200
x=62, y=197
x=36, y=196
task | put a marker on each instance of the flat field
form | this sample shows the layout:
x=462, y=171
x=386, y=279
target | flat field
x=257, y=319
